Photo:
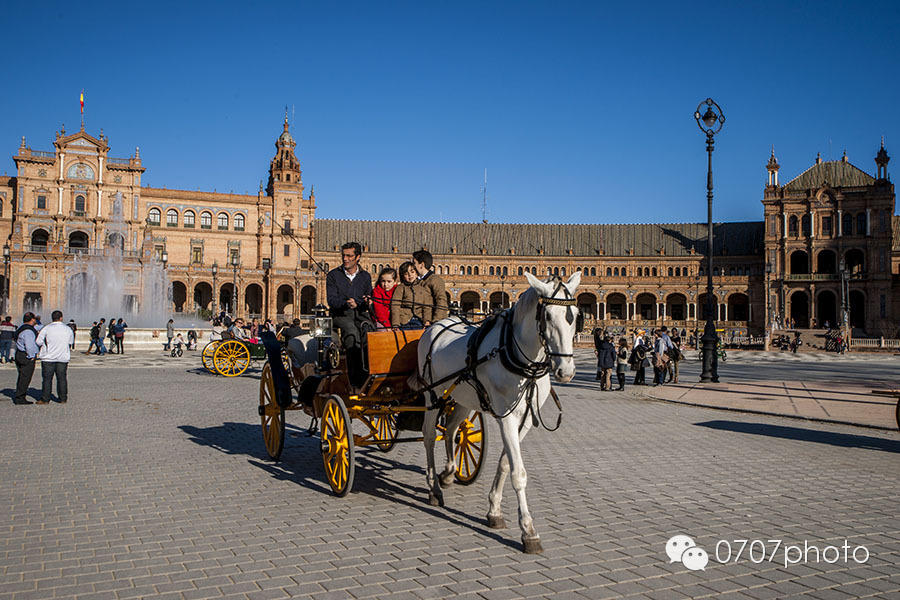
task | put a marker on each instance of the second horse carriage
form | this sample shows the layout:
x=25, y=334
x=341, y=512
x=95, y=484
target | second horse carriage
x=232, y=357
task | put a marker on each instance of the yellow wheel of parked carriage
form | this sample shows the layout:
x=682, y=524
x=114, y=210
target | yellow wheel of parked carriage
x=385, y=431
x=337, y=446
x=470, y=448
x=271, y=415
x=231, y=358
x=206, y=357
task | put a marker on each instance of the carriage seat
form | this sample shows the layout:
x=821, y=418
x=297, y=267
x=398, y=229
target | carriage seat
x=393, y=351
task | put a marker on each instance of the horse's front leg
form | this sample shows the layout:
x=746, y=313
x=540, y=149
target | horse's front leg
x=429, y=432
x=453, y=421
x=495, y=497
x=509, y=428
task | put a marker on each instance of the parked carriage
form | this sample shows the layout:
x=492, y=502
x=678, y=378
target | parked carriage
x=385, y=405
x=232, y=358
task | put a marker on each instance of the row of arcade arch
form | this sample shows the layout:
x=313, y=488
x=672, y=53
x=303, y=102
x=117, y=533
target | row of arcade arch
x=827, y=308
x=77, y=240
x=252, y=298
x=826, y=262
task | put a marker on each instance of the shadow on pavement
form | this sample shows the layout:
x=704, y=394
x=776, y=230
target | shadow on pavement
x=33, y=392
x=845, y=440
x=301, y=463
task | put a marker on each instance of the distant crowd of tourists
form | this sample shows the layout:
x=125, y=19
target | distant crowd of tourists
x=657, y=350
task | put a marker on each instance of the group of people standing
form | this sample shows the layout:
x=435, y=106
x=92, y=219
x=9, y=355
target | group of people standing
x=52, y=344
x=114, y=331
x=662, y=352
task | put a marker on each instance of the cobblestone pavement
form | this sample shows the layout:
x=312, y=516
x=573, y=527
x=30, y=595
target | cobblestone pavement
x=153, y=482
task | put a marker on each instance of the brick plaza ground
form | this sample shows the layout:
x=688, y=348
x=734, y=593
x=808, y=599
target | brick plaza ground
x=153, y=482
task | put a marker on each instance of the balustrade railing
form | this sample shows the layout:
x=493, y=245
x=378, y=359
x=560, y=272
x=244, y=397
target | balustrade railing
x=118, y=161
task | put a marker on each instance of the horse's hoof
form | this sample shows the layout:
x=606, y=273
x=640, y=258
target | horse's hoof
x=446, y=479
x=435, y=499
x=532, y=545
x=496, y=522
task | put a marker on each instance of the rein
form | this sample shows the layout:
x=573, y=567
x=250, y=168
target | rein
x=513, y=358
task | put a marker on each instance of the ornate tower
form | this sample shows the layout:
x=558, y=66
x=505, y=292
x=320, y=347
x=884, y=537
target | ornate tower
x=772, y=168
x=881, y=160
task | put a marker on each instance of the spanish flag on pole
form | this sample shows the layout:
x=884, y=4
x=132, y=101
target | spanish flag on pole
x=82, y=102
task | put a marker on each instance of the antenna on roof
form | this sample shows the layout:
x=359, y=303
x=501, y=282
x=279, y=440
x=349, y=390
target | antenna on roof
x=484, y=198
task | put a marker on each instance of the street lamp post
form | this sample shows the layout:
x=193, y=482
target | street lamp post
x=502, y=294
x=845, y=293
x=696, y=308
x=266, y=265
x=234, y=292
x=5, y=277
x=710, y=122
x=215, y=305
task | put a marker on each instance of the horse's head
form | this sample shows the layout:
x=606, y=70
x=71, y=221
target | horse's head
x=556, y=316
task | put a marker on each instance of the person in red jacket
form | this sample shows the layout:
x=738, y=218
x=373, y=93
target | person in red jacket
x=381, y=296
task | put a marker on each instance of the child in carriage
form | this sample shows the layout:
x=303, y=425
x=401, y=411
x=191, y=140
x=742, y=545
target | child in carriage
x=382, y=295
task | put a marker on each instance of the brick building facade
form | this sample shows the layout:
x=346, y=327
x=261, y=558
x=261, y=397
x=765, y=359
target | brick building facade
x=75, y=201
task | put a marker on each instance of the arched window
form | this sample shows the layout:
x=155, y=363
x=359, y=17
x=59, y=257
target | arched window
x=563, y=271
x=476, y=270
x=861, y=224
x=505, y=271
x=671, y=272
x=617, y=271
x=79, y=205
x=608, y=271
x=804, y=225
x=469, y=270
x=792, y=225
x=715, y=271
x=222, y=221
x=171, y=218
x=520, y=271
x=654, y=271
x=238, y=222
x=206, y=220
x=154, y=216
x=593, y=271
x=490, y=270
x=188, y=219
x=534, y=270
x=556, y=271
x=624, y=271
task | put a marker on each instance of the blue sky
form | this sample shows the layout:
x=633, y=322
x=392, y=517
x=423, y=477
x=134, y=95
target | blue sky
x=580, y=111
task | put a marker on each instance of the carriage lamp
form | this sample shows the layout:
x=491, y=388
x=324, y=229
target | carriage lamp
x=322, y=324
x=165, y=258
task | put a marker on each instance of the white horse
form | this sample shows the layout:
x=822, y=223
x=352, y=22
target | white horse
x=543, y=323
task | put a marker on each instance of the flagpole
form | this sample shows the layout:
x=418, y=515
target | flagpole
x=81, y=100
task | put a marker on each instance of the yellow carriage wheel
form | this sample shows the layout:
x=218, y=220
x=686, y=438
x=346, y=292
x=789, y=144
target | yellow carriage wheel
x=231, y=358
x=337, y=446
x=271, y=415
x=206, y=357
x=385, y=431
x=470, y=448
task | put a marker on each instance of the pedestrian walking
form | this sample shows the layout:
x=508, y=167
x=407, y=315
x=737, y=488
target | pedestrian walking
x=55, y=341
x=7, y=337
x=101, y=347
x=26, y=354
x=74, y=329
x=110, y=333
x=119, y=330
x=606, y=362
x=676, y=355
x=622, y=362
x=170, y=333
x=639, y=361
x=94, y=333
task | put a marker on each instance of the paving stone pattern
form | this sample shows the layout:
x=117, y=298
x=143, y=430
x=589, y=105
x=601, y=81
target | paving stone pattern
x=154, y=483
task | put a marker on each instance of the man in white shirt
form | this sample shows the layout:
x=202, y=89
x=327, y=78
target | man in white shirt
x=55, y=341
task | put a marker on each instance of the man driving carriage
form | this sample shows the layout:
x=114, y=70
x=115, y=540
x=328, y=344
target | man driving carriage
x=346, y=288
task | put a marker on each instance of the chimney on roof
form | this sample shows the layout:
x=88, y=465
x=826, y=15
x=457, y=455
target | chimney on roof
x=818, y=158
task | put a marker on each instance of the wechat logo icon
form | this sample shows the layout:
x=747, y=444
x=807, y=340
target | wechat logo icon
x=681, y=548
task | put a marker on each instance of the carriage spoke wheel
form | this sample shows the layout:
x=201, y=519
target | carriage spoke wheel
x=469, y=448
x=271, y=415
x=385, y=431
x=206, y=357
x=337, y=446
x=231, y=358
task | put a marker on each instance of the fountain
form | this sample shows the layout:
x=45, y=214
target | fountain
x=102, y=283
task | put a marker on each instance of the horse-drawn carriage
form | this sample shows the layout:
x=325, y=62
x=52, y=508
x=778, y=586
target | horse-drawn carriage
x=232, y=357
x=384, y=405
x=440, y=381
